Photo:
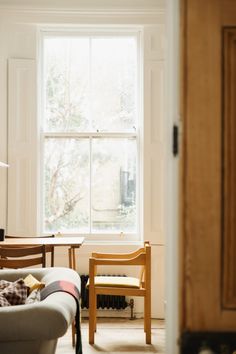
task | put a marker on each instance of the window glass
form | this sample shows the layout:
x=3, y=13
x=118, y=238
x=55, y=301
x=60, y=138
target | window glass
x=66, y=171
x=90, y=86
x=114, y=185
x=66, y=84
x=113, y=84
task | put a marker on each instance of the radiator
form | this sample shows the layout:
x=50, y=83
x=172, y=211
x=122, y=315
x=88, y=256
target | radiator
x=103, y=301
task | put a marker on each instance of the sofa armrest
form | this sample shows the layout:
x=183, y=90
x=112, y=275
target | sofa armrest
x=47, y=275
x=47, y=319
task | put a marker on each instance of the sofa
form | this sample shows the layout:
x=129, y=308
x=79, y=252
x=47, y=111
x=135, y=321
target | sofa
x=35, y=328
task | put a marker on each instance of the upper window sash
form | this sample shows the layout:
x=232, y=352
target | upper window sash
x=103, y=65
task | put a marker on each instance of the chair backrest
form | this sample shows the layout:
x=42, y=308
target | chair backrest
x=140, y=257
x=11, y=257
x=11, y=236
x=145, y=273
x=48, y=247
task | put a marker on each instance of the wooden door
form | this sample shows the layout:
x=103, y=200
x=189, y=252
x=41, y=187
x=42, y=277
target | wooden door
x=208, y=308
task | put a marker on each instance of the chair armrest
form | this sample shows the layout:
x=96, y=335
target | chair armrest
x=46, y=275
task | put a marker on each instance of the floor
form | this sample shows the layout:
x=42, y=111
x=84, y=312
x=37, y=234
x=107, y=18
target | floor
x=117, y=336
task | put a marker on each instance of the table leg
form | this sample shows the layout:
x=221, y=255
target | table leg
x=72, y=265
x=74, y=257
x=70, y=258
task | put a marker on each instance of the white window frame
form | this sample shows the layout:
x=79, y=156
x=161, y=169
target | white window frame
x=135, y=31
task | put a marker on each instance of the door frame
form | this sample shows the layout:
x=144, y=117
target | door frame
x=172, y=212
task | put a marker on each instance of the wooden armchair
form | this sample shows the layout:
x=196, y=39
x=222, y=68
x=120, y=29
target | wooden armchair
x=108, y=285
x=15, y=257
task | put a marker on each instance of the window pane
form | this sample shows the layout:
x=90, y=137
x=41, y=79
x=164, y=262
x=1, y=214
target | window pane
x=90, y=83
x=66, y=176
x=66, y=72
x=113, y=75
x=114, y=185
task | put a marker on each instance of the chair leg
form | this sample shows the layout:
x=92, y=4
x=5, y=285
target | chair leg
x=147, y=318
x=52, y=257
x=144, y=317
x=73, y=333
x=95, y=317
x=92, y=315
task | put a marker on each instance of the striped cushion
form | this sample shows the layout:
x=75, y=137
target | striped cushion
x=116, y=281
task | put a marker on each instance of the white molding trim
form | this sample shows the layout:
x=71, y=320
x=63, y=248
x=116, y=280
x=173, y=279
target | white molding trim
x=79, y=17
x=172, y=271
x=85, y=12
x=84, y=6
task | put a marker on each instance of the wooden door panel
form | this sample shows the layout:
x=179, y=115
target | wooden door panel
x=229, y=169
x=202, y=165
x=209, y=169
x=228, y=13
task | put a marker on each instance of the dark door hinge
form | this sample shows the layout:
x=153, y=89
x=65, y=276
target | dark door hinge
x=175, y=147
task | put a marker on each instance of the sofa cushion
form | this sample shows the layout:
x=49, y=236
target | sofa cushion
x=32, y=283
x=12, y=293
x=33, y=297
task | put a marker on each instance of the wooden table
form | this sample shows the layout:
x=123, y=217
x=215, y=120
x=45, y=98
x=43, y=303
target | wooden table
x=71, y=242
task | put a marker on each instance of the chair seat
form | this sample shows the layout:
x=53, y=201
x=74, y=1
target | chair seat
x=116, y=281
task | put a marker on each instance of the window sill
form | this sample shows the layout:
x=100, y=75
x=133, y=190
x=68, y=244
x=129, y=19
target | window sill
x=113, y=242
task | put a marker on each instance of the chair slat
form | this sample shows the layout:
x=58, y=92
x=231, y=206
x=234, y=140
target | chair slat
x=10, y=256
x=20, y=263
x=8, y=251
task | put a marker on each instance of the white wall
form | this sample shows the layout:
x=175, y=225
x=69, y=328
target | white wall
x=18, y=39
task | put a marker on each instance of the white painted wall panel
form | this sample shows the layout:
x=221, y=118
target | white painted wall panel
x=154, y=115
x=22, y=147
x=3, y=141
x=154, y=159
x=155, y=42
